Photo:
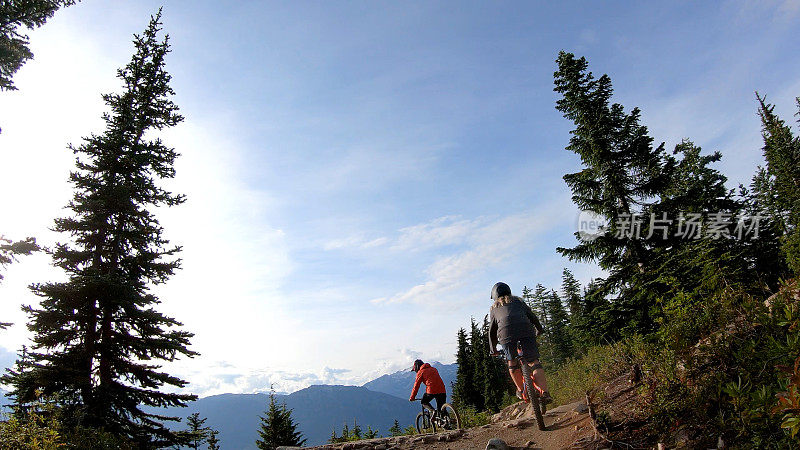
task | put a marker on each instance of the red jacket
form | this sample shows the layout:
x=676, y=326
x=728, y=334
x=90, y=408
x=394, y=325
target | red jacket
x=433, y=382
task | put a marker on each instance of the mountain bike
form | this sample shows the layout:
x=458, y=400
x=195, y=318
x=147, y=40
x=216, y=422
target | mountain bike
x=529, y=386
x=433, y=419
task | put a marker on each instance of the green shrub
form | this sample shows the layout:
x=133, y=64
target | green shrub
x=571, y=380
x=35, y=431
x=470, y=417
x=40, y=427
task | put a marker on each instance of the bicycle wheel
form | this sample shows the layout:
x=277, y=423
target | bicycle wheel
x=450, y=417
x=533, y=394
x=424, y=424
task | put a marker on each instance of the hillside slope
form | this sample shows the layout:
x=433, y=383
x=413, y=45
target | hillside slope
x=317, y=410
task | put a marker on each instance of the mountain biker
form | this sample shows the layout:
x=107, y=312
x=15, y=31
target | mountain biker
x=512, y=323
x=434, y=386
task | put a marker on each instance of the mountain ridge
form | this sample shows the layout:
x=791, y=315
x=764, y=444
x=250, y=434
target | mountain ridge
x=317, y=410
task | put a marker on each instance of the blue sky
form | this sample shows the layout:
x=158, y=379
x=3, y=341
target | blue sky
x=360, y=173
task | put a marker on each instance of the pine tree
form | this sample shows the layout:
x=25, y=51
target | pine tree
x=14, y=16
x=599, y=323
x=278, y=428
x=571, y=291
x=213, y=442
x=621, y=167
x=622, y=170
x=479, y=353
x=495, y=376
x=624, y=175
x=538, y=303
x=8, y=253
x=370, y=433
x=462, y=390
x=395, y=430
x=558, y=329
x=97, y=338
x=196, y=433
x=777, y=185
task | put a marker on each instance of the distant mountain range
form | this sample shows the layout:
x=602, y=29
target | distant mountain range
x=400, y=383
x=317, y=410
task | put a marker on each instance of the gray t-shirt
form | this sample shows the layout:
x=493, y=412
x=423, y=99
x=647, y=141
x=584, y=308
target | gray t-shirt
x=511, y=322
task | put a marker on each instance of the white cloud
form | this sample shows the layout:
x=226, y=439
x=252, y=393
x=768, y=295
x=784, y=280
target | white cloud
x=488, y=243
x=448, y=230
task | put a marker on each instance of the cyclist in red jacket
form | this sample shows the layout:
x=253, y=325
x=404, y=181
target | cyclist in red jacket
x=434, y=386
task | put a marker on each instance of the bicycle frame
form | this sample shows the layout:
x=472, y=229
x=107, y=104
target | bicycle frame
x=426, y=410
x=519, y=360
x=445, y=418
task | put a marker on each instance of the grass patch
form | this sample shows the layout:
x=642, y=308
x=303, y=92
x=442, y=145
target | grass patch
x=571, y=380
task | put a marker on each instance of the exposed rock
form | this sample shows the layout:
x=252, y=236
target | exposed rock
x=790, y=293
x=578, y=407
x=682, y=438
x=496, y=444
x=353, y=445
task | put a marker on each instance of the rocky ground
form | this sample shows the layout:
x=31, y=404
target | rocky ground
x=512, y=428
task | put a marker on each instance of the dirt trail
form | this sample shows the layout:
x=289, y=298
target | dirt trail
x=515, y=425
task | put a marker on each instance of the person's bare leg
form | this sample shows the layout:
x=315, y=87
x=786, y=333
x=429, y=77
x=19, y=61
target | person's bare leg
x=539, y=377
x=516, y=376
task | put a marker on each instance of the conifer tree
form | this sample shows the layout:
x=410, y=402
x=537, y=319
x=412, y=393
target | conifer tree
x=278, y=428
x=571, y=291
x=599, y=323
x=624, y=175
x=463, y=393
x=479, y=353
x=213, y=442
x=495, y=375
x=622, y=169
x=16, y=15
x=8, y=253
x=196, y=433
x=370, y=433
x=558, y=329
x=395, y=430
x=778, y=184
x=538, y=304
x=98, y=340
x=9, y=250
